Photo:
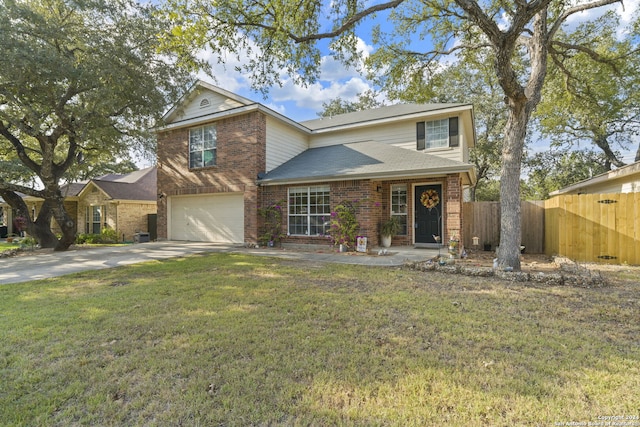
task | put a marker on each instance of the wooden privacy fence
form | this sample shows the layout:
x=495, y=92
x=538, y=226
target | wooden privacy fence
x=482, y=220
x=594, y=227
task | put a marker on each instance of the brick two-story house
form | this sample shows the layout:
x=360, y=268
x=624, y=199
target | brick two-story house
x=222, y=156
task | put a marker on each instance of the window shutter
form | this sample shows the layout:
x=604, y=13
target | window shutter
x=454, y=139
x=420, y=136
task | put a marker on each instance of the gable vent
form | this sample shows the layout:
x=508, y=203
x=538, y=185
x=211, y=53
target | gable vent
x=204, y=103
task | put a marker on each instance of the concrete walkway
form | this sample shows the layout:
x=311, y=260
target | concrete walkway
x=46, y=264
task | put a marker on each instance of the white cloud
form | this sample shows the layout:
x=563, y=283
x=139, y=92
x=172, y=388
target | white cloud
x=314, y=95
x=336, y=80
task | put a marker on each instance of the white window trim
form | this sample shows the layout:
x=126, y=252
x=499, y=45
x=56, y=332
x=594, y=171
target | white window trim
x=308, y=215
x=201, y=129
x=405, y=214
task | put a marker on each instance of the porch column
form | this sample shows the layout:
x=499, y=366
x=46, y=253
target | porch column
x=454, y=208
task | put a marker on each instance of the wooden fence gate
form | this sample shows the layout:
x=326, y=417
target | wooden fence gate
x=594, y=227
x=482, y=220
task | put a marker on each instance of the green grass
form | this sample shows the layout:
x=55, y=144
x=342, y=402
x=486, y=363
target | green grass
x=5, y=246
x=239, y=340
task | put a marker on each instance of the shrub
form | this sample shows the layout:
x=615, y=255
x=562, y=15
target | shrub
x=108, y=235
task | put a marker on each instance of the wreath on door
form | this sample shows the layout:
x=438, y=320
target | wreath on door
x=429, y=199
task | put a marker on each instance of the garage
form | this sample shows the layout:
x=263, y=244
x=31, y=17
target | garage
x=207, y=218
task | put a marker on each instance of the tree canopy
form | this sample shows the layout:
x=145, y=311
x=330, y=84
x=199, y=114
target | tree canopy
x=82, y=79
x=594, y=103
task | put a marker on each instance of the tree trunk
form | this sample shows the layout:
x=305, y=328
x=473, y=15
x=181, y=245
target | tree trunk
x=510, y=223
x=41, y=227
x=66, y=223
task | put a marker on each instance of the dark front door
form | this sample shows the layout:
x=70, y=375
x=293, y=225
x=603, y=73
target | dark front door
x=428, y=219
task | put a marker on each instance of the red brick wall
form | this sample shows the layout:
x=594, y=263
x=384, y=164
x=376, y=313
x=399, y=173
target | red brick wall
x=453, y=207
x=241, y=155
x=375, y=206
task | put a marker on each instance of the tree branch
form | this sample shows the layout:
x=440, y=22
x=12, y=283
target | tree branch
x=346, y=26
x=577, y=9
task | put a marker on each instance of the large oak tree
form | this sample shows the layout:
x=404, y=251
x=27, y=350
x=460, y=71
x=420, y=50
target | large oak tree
x=282, y=35
x=81, y=79
x=586, y=102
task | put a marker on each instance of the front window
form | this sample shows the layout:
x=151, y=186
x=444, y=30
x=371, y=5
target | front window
x=202, y=147
x=309, y=211
x=399, y=206
x=95, y=216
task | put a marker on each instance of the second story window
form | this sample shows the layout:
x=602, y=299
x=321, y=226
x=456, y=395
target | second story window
x=437, y=133
x=202, y=147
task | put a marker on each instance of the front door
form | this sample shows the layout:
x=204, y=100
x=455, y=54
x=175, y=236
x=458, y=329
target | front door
x=428, y=214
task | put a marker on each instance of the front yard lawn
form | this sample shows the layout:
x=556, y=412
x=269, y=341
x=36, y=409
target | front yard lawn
x=227, y=339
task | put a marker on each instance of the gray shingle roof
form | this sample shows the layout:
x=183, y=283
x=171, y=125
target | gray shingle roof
x=381, y=113
x=137, y=185
x=367, y=159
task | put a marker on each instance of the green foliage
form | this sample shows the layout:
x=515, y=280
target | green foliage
x=390, y=227
x=587, y=102
x=551, y=170
x=85, y=79
x=28, y=243
x=107, y=236
x=366, y=101
x=272, y=223
x=344, y=224
x=488, y=191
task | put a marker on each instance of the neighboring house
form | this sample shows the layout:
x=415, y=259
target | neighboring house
x=622, y=180
x=121, y=202
x=222, y=156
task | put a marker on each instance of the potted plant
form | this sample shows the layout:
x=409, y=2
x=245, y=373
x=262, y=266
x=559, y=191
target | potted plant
x=454, y=247
x=388, y=229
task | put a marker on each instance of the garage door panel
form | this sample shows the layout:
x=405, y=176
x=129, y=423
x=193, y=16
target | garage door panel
x=208, y=218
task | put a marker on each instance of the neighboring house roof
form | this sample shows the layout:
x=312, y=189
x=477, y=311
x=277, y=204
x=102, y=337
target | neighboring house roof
x=72, y=189
x=404, y=111
x=607, y=181
x=137, y=185
x=360, y=160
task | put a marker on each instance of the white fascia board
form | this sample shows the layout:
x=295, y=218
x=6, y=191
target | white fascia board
x=413, y=116
x=383, y=175
x=231, y=113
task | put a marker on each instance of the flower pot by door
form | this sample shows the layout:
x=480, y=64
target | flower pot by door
x=386, y=241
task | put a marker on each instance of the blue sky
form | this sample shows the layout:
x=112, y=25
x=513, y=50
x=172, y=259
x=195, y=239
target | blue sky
x=303, y=103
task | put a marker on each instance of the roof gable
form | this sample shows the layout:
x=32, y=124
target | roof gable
x=203, y=99
x=137, y=185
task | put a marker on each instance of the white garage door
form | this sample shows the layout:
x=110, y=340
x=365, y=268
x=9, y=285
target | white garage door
x=210, y=218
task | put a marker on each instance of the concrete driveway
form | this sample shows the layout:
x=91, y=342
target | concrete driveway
x=44, y=265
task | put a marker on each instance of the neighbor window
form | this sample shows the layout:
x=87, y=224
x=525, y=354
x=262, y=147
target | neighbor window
x=202, y=147
x=96, y=215
x=399, y=206
x=437, y=133
x=309, y=211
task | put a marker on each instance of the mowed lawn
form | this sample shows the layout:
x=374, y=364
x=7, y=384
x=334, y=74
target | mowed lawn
x=238, y=340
